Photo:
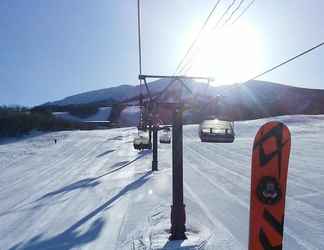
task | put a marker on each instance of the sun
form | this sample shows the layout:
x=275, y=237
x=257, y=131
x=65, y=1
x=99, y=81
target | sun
x=229, y=55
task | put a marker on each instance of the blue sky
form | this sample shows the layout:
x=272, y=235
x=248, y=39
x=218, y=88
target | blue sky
x=56, y=48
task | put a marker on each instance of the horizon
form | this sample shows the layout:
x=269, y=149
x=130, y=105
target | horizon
x=55, y=50
x=135, y=85
x=199, y=82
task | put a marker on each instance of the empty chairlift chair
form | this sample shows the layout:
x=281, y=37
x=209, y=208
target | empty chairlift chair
x=142, y=141
x=216, y=131
x=165, y=136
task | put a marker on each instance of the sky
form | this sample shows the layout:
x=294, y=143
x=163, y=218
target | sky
x=56, y=48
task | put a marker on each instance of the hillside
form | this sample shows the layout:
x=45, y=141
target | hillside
x=114, y=94
x=258, y=99
x=251, y=100
x=92, y=190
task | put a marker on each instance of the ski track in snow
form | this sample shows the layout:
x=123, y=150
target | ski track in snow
x=91, y=190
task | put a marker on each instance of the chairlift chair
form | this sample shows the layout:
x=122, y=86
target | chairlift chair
x=142, y=127
x=141, y=142
x=165, y=137
x=216, y=131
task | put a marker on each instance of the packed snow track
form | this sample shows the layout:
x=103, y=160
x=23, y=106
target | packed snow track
x=92, y=190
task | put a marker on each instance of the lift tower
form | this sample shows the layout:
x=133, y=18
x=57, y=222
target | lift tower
x=178, y=213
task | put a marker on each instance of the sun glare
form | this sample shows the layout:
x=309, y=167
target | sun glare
x=230, y=55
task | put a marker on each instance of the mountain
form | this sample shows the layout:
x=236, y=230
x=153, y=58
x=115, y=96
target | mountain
x=251, y=100
x=257, y=99
x=116, y=94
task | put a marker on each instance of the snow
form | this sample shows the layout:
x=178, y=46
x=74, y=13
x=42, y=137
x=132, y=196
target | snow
x=130, y=116
x=102, y=114
x=91, y=190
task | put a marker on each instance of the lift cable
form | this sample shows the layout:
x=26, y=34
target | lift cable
x=198, y=34
x=285, y=62
x=214, y=27
x=243, y=12
x=233, y=13
x=190, y=48
x=188, y=65
x=224, y=14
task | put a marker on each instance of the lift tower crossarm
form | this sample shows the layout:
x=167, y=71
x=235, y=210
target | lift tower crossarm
x=141, y=77
x=173, y=79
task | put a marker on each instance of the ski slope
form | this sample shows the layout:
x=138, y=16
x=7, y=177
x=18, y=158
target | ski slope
x=102, y=114
x=91, y=190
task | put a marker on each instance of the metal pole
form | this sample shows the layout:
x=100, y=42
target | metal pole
x=139, y=36
x=178, y=213
x=140, y=60
x=176, y=77
x=155, y=149
x=150, y=133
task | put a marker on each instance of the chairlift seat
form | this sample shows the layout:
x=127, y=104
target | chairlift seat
x=141, y=142
x=165, y=138
x=216, y=131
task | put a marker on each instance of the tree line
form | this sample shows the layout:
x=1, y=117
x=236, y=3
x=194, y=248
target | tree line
x=15, y=121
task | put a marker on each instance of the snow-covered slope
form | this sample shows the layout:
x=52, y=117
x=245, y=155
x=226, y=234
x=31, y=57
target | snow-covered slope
x=115, y=93
x=91, y=190
x=130, y=116
x=102, y=114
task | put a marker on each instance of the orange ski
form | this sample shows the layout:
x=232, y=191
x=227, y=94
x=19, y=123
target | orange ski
x=270, y=159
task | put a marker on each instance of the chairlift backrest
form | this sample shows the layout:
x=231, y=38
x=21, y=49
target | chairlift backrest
x=216, y=131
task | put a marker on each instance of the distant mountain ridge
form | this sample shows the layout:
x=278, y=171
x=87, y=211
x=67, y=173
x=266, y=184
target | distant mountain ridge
x=258, y=99
x=251, y=100
x=117, y=94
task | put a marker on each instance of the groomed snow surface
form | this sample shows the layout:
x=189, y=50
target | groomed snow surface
x=102, y=114
x=91, y=190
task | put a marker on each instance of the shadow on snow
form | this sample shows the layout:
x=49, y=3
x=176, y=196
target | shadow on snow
x=71, y=237
x=176, y=244
x=92, y=182
x=105, y=153
x=85, y=183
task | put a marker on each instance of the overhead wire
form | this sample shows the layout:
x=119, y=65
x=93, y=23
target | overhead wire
x=214, y=27
x=189, y=64
x=243, y=12
x=233, y=12
x=199, y=34
x=224, y=14
x=285, y=62
x=191, y=46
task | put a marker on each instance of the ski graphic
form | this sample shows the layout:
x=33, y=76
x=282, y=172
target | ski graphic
x=270, y=159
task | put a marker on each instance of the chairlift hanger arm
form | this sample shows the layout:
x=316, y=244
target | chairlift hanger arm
x=165, y=89
x=164, y=127
x=173, y=79
x=185, y=86
x=147, y=89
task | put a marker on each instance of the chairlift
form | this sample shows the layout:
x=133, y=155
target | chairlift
x=216, y=131
x=142, y=141
x=166, y=129
x=165, y=136
x=141, y=127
